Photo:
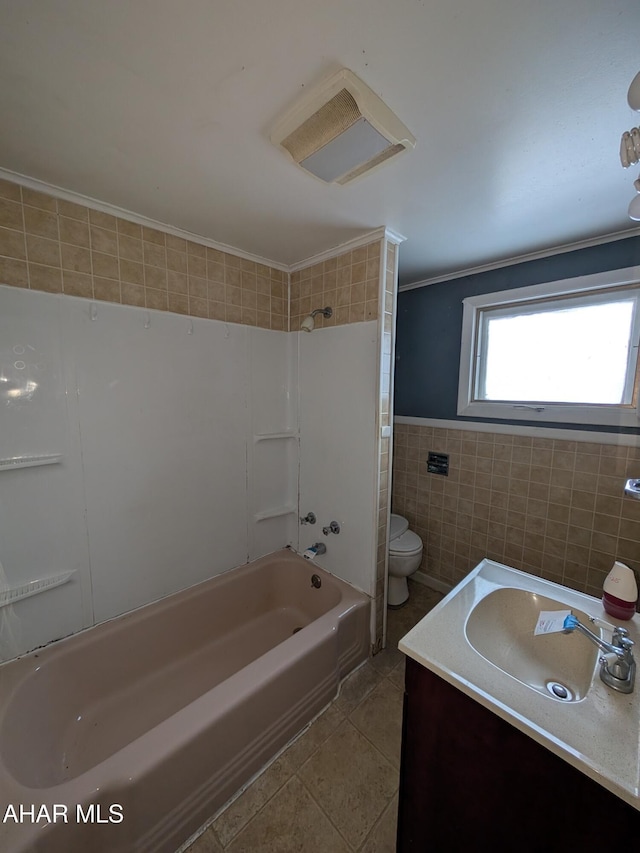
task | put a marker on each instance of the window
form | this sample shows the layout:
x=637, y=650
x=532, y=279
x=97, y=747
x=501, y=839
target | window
x=563, y=351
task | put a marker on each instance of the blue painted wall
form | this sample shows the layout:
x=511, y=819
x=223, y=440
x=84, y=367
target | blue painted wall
x=430, y=324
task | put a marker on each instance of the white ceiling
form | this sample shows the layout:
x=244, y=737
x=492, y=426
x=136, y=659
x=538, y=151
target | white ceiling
x=163, y=108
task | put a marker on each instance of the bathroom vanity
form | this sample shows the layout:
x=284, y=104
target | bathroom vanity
x=490, y=755
x=469, y=779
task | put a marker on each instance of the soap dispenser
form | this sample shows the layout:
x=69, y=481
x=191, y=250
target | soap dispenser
x=620, y=592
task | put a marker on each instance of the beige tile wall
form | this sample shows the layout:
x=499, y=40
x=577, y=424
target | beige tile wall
x=61, y=247
x=551, y=507
x=349, y=283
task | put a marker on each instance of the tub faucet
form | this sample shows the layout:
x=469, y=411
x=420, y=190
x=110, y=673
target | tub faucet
x=617, y=666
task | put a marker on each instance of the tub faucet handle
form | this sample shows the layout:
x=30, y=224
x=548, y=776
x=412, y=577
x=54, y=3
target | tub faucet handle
x=309, y=518
x=334, y=527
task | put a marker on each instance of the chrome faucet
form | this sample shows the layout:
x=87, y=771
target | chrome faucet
x=617, y=666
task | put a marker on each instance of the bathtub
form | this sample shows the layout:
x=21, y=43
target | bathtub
x=130, y=735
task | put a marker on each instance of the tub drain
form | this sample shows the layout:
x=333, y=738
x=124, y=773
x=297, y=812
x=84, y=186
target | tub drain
x=560, y=691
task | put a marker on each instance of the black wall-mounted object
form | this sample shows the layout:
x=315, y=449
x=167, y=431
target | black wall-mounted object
x=438, y=463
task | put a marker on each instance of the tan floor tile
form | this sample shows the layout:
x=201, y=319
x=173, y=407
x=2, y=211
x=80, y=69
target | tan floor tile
x=206, y=843
x=379, y=718
x=357, y=687
x=397, y=676
x=421, y=601
x=367, y=781
x=387, y=660
x=403, y=619
x=249, y=803
x=291, y=822
x=317, y=733
x=383, y=836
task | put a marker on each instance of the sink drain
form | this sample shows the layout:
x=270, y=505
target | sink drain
x=560, y=691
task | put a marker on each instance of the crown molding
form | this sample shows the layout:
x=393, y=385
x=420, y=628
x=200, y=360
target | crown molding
x=122, y=213
x=349, y=245
x=520, y=259
x=340, y=249
x=394, y=236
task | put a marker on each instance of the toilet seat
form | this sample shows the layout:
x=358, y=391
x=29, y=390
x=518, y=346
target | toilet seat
x=408, y=543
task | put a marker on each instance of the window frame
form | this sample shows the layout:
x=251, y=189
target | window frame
x=573, y=413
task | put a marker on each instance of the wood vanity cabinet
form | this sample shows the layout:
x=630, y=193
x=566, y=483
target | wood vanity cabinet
x=468, y=780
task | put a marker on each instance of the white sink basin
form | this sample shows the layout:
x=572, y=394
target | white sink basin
x=501, y=628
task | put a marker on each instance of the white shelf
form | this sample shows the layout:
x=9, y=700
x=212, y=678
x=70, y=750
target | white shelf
x=272, y=436
x=10, y=463
x=275, y=513
x=17, y=593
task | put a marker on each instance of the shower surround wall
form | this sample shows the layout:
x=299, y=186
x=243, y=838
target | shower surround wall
x=151, y=415
x=345, y=394
x=178, y=436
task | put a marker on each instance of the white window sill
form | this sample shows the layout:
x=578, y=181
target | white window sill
x=554, y=413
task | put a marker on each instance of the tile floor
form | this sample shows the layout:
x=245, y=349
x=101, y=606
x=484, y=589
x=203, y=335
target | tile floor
x=334, y=789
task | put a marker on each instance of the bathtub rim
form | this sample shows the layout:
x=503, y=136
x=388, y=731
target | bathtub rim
x=287, y=552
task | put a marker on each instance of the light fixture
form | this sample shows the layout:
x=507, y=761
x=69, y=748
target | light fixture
x=341, y=130
x=308, y=323
x=633, y=95
x=634, y=207
x=630, y=146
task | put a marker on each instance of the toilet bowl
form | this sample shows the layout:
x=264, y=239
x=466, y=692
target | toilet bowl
x=405, y=555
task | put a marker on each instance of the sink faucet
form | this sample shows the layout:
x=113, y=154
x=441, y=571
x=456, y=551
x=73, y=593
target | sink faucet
x=617, y=666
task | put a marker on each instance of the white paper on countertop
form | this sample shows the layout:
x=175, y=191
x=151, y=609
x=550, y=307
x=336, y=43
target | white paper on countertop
x=551, y=621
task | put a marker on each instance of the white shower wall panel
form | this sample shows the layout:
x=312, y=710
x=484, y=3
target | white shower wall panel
x=273, y=380
x=273, y=449
x=338, y=466
x=153, y=417
x=40, y=536
x=163, y=420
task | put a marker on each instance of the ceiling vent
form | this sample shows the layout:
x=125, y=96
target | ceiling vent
x=341, y=130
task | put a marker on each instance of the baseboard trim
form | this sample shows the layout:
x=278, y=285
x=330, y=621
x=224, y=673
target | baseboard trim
x=433, y=583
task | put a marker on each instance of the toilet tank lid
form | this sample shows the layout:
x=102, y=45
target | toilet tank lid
x=397, y=527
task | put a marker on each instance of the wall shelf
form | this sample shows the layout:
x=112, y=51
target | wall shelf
x=10, y=463
x=275, y=513
x=17, y=593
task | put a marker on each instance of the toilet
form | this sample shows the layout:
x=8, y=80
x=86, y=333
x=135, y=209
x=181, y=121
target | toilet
x=405, y=554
